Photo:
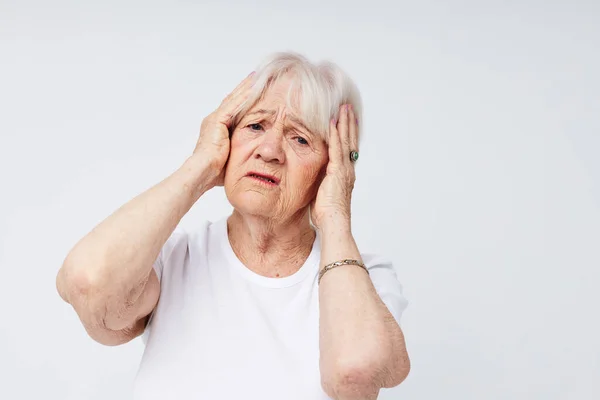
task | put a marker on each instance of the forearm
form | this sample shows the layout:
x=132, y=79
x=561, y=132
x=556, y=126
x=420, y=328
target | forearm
x=116, y=257
x=355, y=341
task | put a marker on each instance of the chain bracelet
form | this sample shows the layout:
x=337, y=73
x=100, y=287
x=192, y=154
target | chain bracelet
x=338, y=264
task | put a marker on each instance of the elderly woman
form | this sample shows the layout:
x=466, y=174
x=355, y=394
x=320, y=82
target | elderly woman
x=274, y=301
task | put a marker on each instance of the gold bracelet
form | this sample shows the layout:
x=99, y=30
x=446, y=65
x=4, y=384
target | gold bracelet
x=340, y=263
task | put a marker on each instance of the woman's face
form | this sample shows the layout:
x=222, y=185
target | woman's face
x=271, y=141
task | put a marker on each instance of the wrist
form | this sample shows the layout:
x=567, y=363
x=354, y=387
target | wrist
x=200, y=175
x=336, y=224
x=328, y=217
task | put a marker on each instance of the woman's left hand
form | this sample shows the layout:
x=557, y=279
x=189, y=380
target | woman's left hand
x=332, y=203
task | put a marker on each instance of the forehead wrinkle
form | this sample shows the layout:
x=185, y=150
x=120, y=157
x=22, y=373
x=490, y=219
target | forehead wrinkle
x=300, y=123
x=262, y=111
x=295, y=120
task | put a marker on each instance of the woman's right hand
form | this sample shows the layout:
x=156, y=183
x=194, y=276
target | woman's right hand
x=213, y=144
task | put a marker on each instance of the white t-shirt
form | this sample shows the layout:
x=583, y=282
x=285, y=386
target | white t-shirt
x=221, y=331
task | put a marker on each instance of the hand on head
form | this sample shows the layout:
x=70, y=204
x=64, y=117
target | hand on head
x=213, y=144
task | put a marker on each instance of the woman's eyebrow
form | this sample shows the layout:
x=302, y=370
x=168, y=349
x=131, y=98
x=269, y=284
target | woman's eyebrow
x=299, y=122
x=262, y=111
x=293, y=119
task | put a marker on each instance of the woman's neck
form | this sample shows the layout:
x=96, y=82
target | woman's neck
x=268, y=247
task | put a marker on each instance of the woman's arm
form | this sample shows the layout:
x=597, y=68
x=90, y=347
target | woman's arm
x=108, y=276
x=362, y=346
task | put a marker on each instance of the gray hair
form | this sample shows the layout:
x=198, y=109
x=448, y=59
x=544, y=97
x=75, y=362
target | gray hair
x=319, y=89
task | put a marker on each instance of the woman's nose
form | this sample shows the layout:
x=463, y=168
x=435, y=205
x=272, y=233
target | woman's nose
x=271, y=146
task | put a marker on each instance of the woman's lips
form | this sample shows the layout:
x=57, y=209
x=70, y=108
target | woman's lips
x=264, y=181
x=267, y=179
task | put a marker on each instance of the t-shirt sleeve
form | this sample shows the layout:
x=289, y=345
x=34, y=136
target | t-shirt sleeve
x=386, y=282
x=173, y=242
x=159, y=265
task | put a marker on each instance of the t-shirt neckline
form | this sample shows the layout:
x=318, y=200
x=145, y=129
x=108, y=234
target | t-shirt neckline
x=310, y=264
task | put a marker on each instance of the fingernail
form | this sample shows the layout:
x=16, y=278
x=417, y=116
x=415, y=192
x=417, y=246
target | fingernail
x=251, y=73
x=356, y=120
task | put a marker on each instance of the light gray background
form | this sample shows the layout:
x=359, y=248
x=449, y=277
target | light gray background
x=479, y=173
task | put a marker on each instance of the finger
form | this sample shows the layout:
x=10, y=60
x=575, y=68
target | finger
x=239, y=87
x=352, y=130
x=344, y=131
x=235, y=99
x=242, y=88
x=335, y=146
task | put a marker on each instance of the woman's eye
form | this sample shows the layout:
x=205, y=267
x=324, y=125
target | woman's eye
x=301, y=140
x=255, y=127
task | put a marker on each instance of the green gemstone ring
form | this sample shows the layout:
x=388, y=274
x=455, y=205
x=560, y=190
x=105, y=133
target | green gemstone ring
x=353, y=156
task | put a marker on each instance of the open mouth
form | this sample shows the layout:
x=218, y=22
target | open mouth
x=264, y=178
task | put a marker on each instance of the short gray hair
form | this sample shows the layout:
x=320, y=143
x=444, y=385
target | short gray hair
x=323, y=88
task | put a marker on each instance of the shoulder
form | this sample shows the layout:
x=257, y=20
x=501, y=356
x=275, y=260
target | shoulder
x=386, y=279
x=178, y=244
x=380, y=266
x=179, y=236
x=182, y=238
x=375, y=260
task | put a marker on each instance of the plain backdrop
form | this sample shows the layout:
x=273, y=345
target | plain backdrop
x=479, y=172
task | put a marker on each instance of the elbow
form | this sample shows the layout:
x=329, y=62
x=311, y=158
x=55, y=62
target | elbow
x=397, y=364
x=366, y=380
x=95, y=305
x=399, y=374
x=68, y=283
x=73, y=282
x=357, y=380
x=80, y=289
x=353, y=385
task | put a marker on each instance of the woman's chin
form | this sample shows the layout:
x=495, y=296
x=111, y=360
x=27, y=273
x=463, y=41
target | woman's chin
x=253, y=203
